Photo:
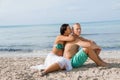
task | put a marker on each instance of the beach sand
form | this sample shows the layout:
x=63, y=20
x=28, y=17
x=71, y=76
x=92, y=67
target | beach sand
x=18, y=68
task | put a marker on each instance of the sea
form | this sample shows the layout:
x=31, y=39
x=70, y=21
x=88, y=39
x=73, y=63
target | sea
x=40, y=38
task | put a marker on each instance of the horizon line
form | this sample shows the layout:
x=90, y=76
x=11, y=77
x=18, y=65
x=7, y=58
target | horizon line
x=57, y=23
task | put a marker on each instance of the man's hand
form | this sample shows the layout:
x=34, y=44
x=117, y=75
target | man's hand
x=95, y=46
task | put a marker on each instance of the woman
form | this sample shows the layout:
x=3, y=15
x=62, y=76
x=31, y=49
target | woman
x=55, y=60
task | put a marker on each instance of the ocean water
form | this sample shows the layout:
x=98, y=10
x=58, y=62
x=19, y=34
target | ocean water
x=29, y=38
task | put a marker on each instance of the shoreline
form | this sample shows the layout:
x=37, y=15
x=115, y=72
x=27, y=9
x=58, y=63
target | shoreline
x=18, y=68
x=103, y=54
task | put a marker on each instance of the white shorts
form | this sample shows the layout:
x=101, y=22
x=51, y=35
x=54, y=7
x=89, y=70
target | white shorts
x=63, y=62
x=51, y=59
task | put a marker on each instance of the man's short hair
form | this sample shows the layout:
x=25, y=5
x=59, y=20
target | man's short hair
x=75, y=24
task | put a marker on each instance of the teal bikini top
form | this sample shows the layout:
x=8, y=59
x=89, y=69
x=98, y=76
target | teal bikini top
x=59, y=46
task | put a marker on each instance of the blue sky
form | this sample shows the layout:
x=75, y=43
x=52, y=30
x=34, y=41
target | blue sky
x=25, y=12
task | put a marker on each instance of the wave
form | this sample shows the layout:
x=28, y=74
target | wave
x=100, y=33
x=49, y=48
x=111, y=47
x=15, y=50
x=89, y=34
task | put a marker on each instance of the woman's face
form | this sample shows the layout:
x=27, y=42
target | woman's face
x=68, y=30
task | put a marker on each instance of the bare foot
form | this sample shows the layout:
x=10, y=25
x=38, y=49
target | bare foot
x=42, y=73
x=104, y=64
x=41, y=70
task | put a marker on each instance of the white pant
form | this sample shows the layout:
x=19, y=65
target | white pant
x=51, y=59
x=63, y=62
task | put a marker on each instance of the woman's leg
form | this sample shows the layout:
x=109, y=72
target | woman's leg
x=51, y=68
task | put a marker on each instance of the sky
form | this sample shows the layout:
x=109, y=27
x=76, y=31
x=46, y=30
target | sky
x=28, y=12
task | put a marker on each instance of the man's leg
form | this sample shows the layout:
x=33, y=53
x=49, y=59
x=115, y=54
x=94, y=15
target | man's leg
x=97, y=51
x=92, y=55
x=79, y=58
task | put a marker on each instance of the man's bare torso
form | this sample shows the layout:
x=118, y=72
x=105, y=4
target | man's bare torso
x=71, y=48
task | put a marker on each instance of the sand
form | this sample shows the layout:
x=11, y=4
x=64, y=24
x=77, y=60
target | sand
x=18, y=68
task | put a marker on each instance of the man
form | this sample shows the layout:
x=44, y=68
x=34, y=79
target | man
x=89, y=49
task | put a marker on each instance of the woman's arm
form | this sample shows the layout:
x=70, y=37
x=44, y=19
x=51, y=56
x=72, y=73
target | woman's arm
x=65, y=38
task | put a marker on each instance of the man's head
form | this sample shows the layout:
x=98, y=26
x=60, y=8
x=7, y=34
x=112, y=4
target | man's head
x=76, y=29
x=65, y=29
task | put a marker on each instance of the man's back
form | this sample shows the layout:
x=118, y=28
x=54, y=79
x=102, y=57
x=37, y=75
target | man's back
x=70, y=49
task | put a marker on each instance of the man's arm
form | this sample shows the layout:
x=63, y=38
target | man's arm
x=87, y=44
x=84, y=39
x=83, y=43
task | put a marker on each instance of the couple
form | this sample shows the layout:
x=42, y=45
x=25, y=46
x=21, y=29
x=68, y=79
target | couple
x=66, y=54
